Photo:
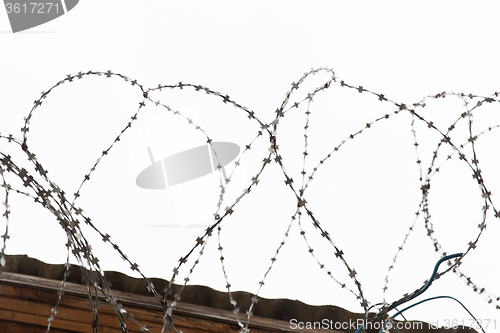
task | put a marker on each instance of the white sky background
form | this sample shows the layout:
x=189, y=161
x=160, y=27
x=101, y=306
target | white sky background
x=367, y=194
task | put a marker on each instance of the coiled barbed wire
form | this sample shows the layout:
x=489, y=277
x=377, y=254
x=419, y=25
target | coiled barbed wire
x=42, y=190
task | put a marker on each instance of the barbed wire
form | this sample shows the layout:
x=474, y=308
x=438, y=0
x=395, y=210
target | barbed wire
x=36, y=184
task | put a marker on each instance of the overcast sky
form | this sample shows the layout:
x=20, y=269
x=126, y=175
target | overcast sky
x=366, y=195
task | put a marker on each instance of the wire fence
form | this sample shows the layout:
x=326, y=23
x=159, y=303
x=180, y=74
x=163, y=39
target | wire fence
x=33, y=181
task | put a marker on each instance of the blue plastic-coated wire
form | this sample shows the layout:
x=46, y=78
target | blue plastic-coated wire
x=401, y=314
x=451, y=256
x=437, y=297
x=377, y=304
x=428, y=284
x=420, y=291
